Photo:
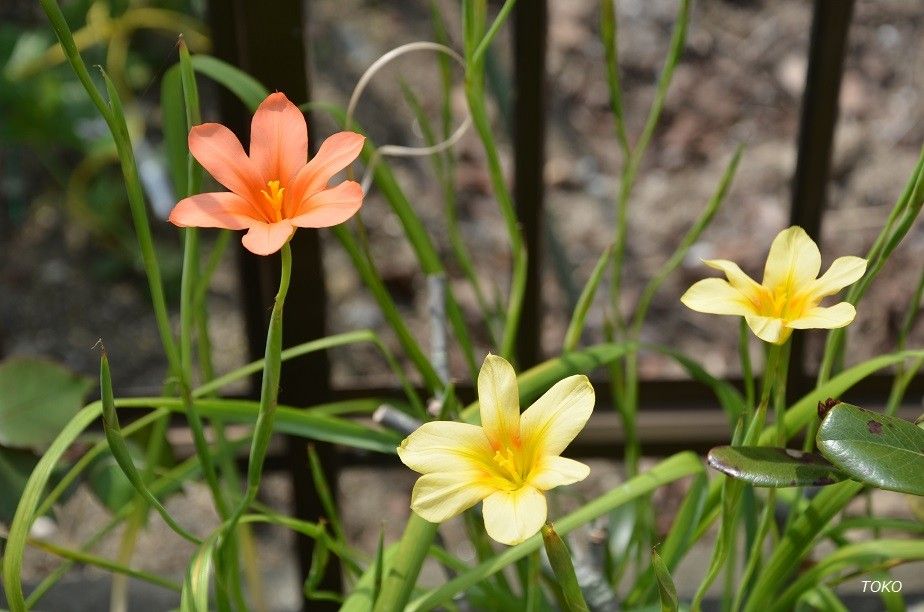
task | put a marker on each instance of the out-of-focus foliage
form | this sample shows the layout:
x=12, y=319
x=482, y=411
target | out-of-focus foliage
x=58, y=148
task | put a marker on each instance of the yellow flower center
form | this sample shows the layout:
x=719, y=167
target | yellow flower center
x=274, y=197
x=783, y=302
x=509, y=468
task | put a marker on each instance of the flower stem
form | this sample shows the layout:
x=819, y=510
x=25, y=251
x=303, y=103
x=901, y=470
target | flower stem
x=402, y=575
x=775, y=365
x=269, y=392
x=269, y=397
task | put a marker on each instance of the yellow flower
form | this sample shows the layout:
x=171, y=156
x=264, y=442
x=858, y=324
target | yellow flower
x=508, y=461
x=790, y=294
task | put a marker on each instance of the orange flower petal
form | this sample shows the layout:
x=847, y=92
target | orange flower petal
x=335, y=154
x=329, y=207
x=221, y=209
x=267, y=238
x=220, y=152
x=278, y=139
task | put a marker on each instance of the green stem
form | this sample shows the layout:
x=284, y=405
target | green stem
x=797, y=540
x=373, y=281
x=475, y=94
x=754, y=555
x=269, y=391
x=187, y=329
x=744, y=354
x=106, y=564
x=731, y=488
x=402, y=575
x=671, y=469
x=475, y=49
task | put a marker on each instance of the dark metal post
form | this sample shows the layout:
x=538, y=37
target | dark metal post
x=529, y=30
x=266, y=39
x=830, y=24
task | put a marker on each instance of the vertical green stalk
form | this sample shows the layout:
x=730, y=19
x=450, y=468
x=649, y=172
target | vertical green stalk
x=115, y=120
x=609, y=35
x=418, y=534
x=269, y=390
x=476, y=44
x=774, y=369
x=900, y=220
x=373, y=281
x=399, y=582
x=744, y=354
x=632, y=164
x=193, y=322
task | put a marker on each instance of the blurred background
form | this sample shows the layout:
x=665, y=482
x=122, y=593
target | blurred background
x=70, y=272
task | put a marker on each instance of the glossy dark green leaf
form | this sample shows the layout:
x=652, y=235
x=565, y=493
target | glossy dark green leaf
x=874, y=448
x=37, y=399
x=774, y=467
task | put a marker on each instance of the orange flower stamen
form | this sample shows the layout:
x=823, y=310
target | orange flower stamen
x=274, y=197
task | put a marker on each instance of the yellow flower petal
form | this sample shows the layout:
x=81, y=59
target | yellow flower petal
x=839, y=315
x=439, y=497
x=769, y=329
x=552, y=422
x=749, y=287
x=499, y=400
x=557, y=471
x=844, y=271
x=717, y=296
x=445, y=446
x=793, y=261
x=513, y=516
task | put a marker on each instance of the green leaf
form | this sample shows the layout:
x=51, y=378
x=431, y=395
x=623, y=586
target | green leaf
x=733, y=403
x=576, y=326
x=862, y=555
x=774, y=467
x=107, y=481
x=249, y=90
x=173, y=125
x=874, y=448
x=673, y=468
x=560, y=560
x=37, y=399
x=119, y=449
x=666, y=588
x=15, y=467
x=24, y=517
x=319, y=557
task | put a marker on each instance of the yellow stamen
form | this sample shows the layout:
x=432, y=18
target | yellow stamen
x=506, y=461
x=274, y=197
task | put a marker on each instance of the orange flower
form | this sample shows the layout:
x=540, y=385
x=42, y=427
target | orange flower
x=275, y=189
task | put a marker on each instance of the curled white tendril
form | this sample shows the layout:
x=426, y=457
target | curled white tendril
x=398, y=150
